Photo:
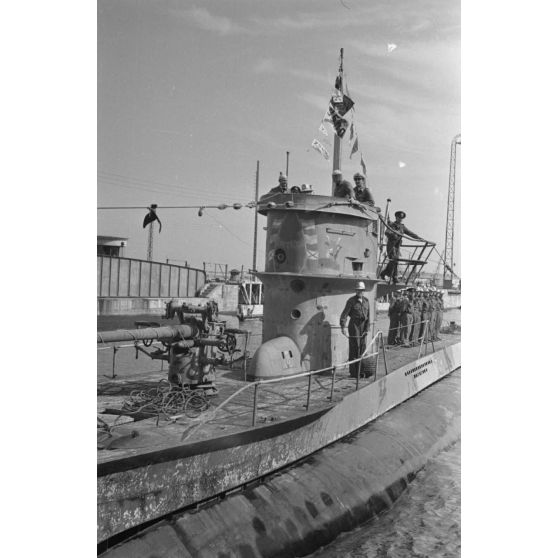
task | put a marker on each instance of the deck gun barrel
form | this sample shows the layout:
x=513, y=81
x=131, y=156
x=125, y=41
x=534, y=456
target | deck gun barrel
x=164, y=333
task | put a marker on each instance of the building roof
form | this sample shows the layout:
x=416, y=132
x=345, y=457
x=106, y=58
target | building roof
x=111, y=240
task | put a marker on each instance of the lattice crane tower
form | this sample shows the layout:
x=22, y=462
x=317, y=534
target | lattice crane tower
x=150, y=243
x=450, y=219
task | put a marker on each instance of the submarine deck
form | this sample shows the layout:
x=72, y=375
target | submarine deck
x=276, y=403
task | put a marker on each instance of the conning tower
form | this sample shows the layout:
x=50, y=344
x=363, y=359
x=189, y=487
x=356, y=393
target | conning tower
x=317, y=247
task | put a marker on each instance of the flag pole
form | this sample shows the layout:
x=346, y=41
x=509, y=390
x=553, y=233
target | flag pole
x=336, y=138
x=256, y=217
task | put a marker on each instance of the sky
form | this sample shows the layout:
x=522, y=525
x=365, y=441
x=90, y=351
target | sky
x=192, y=94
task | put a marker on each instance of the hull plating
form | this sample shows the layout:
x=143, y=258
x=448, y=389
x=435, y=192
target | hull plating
x=190, y=473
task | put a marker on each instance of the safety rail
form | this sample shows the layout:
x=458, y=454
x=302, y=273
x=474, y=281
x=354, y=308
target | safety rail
x=310, y=374
x=378, y=338
x=412, y=263
x=424, y=340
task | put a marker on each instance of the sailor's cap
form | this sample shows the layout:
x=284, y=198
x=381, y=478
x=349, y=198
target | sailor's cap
x=400, y=214
x=360, y=286
x=336, y=172
x=358, y=175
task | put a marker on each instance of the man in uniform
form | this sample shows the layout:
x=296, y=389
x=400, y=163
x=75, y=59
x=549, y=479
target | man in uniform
x=341, y=188
x=393, y=313
x=417, y=305
x=405, y=319
x=411, y=295
x=439, y=315
x=429, y=315
x=362, y=193
x=423, y=316
x=394, y=235
x=358, y=310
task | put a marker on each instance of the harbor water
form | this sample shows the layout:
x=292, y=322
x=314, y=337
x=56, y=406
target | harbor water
x=425, y=522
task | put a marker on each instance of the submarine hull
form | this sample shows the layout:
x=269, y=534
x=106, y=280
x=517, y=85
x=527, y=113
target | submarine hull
x=144, y=486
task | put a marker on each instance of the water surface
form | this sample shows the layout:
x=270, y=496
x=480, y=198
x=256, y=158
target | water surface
x=424, y=523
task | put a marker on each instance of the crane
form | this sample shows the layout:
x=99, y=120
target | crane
x=450, y=217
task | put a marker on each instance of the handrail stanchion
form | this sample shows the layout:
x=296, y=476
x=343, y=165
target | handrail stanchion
x=384, y=352
x=308, y=395
x=358, y=374
x=114, y=351
x=424, y=332
x=334, y=370
x=255, y=404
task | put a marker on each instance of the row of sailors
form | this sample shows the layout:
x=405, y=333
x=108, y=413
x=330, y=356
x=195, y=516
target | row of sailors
x=410, y=311
x=341, y=188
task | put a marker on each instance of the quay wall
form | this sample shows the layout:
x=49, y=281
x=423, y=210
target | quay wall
x=306, y=506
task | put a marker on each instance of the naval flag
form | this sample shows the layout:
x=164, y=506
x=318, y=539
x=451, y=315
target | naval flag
x=152, y=216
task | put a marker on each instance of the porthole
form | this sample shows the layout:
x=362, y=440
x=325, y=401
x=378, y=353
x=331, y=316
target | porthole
x=295, y=314
x=280, y=255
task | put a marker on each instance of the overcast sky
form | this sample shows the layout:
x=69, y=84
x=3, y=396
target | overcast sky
x=192, y=94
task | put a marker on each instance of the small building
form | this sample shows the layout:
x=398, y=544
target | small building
x=111, y=246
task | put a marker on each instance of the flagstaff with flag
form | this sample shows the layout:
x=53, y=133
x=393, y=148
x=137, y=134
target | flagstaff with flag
x=337, y=124
x=340, y=117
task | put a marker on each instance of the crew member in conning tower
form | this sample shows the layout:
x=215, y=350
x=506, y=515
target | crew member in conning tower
x=358, y=310
x=394, y=233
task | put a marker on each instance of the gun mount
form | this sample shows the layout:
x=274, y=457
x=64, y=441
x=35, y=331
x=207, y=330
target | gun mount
x=191, y=348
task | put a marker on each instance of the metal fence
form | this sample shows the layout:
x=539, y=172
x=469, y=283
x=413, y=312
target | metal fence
x=127, y=277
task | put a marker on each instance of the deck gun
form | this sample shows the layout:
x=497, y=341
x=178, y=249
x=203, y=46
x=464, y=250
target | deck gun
x=192, y=349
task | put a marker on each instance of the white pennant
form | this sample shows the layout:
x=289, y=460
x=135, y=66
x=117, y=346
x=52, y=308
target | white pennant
x=323, y=129
x=320, y=148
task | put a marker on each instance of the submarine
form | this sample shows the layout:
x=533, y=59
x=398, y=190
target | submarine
x=159, y=470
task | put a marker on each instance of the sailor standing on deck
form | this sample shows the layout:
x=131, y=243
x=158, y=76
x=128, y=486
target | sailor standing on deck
x=406, y=320
x=394, y=233
x=341, y=188
x=358, y=310
x=430, y=315
x=393, y=314
x=439, y=315
x=434, y=315
x=417, y=305
x=423, y=316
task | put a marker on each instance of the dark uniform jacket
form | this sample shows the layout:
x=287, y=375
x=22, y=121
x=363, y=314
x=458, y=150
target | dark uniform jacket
x=394, y=240
x=405, y=306
x=276, y=190
x=357, y=310
x=364, y=195
x=343, y=189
